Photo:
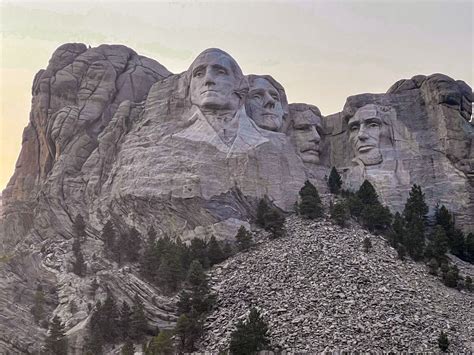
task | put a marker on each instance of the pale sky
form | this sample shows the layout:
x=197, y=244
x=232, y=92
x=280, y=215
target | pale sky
x=320, y=51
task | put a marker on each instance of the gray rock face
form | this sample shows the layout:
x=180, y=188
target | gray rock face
x=115, y=136
x=417, y=133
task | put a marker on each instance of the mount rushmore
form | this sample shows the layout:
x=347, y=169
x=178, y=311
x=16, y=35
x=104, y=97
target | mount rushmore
x=115, y=136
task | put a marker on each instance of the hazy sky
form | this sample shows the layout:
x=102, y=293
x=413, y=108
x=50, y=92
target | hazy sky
x=320, y=51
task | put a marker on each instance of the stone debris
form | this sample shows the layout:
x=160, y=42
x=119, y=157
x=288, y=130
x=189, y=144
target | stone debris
x=319, y=291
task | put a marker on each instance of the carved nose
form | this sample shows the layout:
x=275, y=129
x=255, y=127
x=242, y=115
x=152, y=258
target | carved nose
x=315, y=137
x=269, y=101
x=362, y=135
x=209, y=79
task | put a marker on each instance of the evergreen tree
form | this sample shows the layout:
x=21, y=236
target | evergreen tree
x=108, y=237
x=250, y=336
x=150, y=260
x=339, y=213
x=310, y=206
x=199, y=300
x=162, y=344
x=37, y=310
x=79, y=266
x=138, y=321
x=355, y=205
x=243, y=239
x=125, y=321
x=376, y=217
x=398, y=231
x=132, y=245
x=415, y=208
x=275, y=223
x=468, y=283
x=188, y=330
x=443, y=342
x=227, y=250
x=451, y=276
x=214, y=251
x=128, y=348
x=439, y=244
x=456, y=242
x=198, y=251
x=415, y=215
x=444, y=218
x=433, y=267
x=170, y=273
x=196, y=277
x=262, y=210
x=367, y=244
x=184, y=302
x=334, y=181
x=109, y=320
x=56, y=342
x=469, y=248
x=79, y=228
x=367, y=194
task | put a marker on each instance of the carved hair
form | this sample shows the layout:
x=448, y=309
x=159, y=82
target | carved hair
x=242, y=87
x=281, y=91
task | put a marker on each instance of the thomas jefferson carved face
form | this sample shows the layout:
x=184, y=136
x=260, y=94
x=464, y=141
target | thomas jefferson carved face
x=214, y=81
x=264, y=105
x=306, y=135
x=366, y=130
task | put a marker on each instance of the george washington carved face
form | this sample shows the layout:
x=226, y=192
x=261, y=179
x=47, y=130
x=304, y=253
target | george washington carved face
x=367, y=129
x=214, y=81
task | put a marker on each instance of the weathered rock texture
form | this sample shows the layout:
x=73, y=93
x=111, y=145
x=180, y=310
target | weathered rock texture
x=320, y=291
x=426, y=138
x=115, y=136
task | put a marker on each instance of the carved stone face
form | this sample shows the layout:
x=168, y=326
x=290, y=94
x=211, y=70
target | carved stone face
x=365, y=134
x=213, y=82
x=264, y=105
x=305, y=134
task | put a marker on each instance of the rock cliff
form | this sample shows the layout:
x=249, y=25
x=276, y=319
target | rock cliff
x=115, y=136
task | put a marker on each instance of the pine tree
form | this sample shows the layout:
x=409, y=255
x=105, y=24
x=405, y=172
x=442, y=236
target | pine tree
x=367, y=244
x=451, y=276
x=199, y=299
x=109, y=320
x=469, y=247
x=188, y=329
x=125, y=321
x=414, y=214
x=398, y=231
x=456, y=242
x=198, y=251
x=79, y=266
x=444, y=218
x=132, y=245
x=56, y=342
x=468, y=283
x=310, y=206
x=150, y=260
x=196, y=277
x=339, y=213
x=79, y=228
x=128, y=348
x=439, y=245
x=214, y=251
x=262, y=210
x=367, y=194
x=243, y=239
x=227, y=250
x=275, y=223
x=443, y=342
x=334, y=181
x=162, y=344
x=170, y=273
x=138, y=321
x=108, y=237
x=250, y=336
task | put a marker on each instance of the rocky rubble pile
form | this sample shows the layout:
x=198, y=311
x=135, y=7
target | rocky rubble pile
x=320, y=291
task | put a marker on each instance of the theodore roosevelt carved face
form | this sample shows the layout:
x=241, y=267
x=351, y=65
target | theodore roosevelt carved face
x=305, y=132
x=265, y=102
x=367, y=129
x=215, y=80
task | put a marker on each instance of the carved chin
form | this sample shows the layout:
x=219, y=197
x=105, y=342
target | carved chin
x=310, y=157
x=373, y=157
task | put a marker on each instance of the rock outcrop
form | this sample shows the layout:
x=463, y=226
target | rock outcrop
x=115, y=136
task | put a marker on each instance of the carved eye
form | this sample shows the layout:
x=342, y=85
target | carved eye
x=354, y=128
x=275, y=97
x=222, y=72
x=373, y=125
x=257, y=97
x=198, y=74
